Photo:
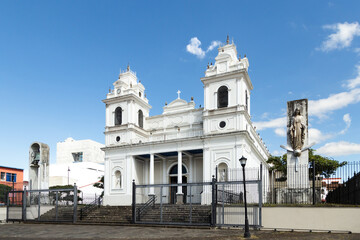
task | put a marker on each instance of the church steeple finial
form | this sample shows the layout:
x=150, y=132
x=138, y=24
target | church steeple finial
x=227, y=39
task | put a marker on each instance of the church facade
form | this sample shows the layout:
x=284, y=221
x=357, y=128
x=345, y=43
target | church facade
x=150, y=149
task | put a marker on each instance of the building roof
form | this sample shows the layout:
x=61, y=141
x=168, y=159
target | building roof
x=12, y=168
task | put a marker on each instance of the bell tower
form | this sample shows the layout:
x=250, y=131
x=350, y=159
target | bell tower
x=126, y=110
x=227, y=87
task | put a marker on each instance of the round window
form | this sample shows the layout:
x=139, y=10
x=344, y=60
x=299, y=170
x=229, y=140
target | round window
x=222, y=124
x=118, y=139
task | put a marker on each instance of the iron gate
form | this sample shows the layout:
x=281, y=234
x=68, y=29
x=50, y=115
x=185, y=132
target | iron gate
x=209, y=203
x=230, y=206
x=155, y=204
x=47, y=205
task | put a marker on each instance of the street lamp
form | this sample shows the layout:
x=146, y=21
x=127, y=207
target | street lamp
x=247, y=234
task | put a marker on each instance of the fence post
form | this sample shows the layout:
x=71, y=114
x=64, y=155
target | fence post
x=13, y=188
x=39, y=207
x=24, y=205
x=7, y=206
x=314, y=197
x=75, y=203
x=133, y=201
x=56, y=205
x=213, y=201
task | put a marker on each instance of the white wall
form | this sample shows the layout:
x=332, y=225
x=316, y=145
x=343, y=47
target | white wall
x=90, y=149
x=315, y=218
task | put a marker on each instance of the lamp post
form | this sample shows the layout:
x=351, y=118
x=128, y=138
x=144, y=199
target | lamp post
x=247, y=234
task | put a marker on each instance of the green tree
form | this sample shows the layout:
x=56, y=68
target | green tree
x=324, y=166
x=3, y=190
x=100, y=184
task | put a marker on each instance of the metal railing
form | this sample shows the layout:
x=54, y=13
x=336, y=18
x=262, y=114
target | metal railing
x=144, y=208
x=208, y=203
x=48, y=205
x=84, y=211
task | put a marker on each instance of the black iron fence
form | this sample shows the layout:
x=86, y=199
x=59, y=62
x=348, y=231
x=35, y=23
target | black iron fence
x=89, y=198
x=305, y=184
x=187, y=203
x=50, y=205
x=216, y=203
x=6, y=187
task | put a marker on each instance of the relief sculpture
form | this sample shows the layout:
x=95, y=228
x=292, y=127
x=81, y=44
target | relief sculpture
x=297, y=130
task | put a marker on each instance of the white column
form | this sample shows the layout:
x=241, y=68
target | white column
x=206, y=90
x=107, y=178
x=151, y=180
x=191, y=172
x=179, y=189
x=238, y=93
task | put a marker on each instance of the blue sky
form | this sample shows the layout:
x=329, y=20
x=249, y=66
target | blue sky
x=59, y=58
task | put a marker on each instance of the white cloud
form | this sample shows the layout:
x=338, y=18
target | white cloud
x=315, y=135
x=320, y=108
x=347, y=120
x=278, y=153
x=213, y=45
x=343, y=36
x=280, y=132
x=194, y=47
x=274, y=123
x=353, y=83
x=339, y=149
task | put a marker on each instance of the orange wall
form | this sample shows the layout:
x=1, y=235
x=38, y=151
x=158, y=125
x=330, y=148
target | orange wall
x=19, y=173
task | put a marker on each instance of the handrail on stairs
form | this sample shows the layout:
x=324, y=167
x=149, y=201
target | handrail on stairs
x=143, y=209
x=89, y=207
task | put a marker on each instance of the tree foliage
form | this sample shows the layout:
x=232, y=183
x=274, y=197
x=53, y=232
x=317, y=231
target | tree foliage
x=100, y=185
x=3, y=190
x=67, y=196
x=324, y=166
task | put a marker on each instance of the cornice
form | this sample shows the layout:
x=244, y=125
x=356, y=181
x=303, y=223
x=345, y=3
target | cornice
x=217, y=77
x=127, y=97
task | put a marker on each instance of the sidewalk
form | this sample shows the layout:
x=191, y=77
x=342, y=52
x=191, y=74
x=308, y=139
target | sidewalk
x=82, y=232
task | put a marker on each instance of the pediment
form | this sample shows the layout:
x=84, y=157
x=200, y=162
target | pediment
x=177, y=102
x=178, y=105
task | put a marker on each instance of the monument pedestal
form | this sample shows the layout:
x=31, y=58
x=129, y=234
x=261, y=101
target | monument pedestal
x=298, y=170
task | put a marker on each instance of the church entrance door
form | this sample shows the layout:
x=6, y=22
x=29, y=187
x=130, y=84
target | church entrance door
x=173, y=189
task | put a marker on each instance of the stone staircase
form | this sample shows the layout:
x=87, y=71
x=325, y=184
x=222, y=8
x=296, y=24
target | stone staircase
x=108, y=214
x=201, y=214
x=65, y=213
x=123, y=214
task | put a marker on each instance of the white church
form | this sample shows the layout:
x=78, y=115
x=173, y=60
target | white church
x=149, y=149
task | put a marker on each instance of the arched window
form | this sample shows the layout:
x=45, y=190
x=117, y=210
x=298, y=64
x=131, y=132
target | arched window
x=118, y=116
x=117, y=183
x=222, y=172
x=222, y=94
x=174, y=170
x=140, y=119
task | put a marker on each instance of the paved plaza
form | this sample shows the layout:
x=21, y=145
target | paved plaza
x=78, y=232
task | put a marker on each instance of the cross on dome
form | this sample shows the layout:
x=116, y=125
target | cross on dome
x=178, y=92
